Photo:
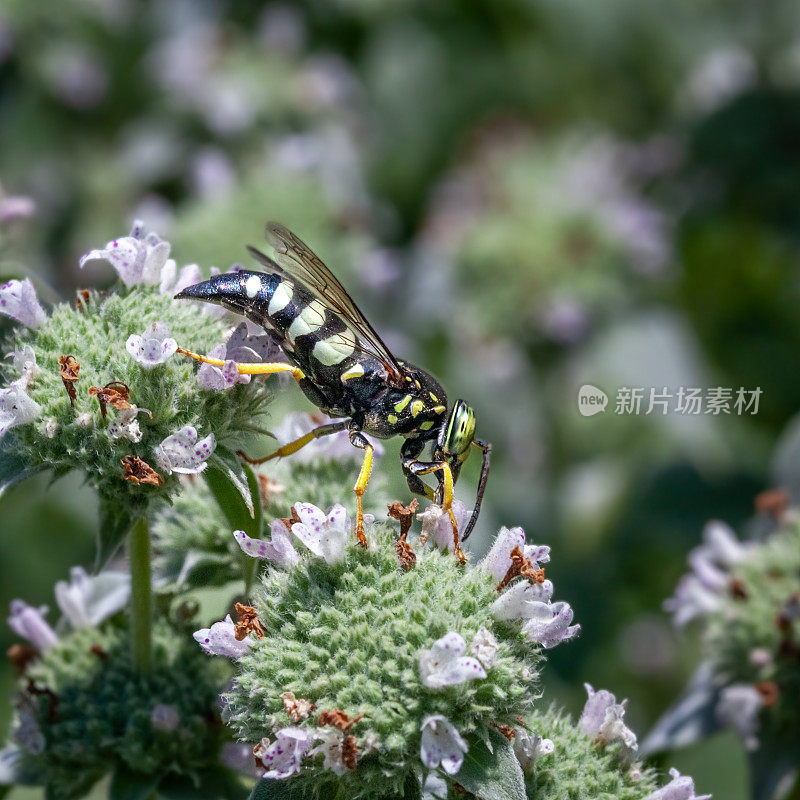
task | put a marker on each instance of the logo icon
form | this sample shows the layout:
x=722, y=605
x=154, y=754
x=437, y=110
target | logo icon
x=591, y=400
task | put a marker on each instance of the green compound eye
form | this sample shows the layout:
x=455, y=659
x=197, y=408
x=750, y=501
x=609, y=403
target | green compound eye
x=460, y=429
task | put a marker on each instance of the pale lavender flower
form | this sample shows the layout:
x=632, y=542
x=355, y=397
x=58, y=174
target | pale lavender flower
x=602, y=719
x=29, y=622
x=279, y=549
x=330, y=749
x=153, y=347
x=16, y=207
x=681, y=787
x=165, y=718
x=16, y=407
x=446, y=665
x=240, y=348
x=484, y=647
x=522, y=600
x=138, y=258
x=530, y=746
x=738, y=706
x=549, y=624
x=323, y=534
x=217, y=379
x=497, y=561
x=18, y=300
x=125, y=425
x=442, y=529
x=283, y=756
x=220, y=640
x=181, y=452
x=24, y=361
x=442, y=744
x=171, y=281
x=87, y=600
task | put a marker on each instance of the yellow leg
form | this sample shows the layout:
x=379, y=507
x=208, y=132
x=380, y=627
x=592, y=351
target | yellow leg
x=248, y=369
x=359, y=489
x=447, y=504
x=297, y=444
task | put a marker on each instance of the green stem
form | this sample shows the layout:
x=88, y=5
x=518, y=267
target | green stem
x=141, y=596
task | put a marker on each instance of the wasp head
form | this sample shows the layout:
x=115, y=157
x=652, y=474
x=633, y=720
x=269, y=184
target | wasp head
x=455, y=436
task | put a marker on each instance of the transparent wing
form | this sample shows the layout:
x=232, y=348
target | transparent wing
x=295, y=259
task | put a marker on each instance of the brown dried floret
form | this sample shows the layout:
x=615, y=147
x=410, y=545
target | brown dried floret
x=405, y=514
x=506, y=730
x=296, y=708
x=247, y=623
x=20, y=656
x=69, y=366
x=338, y=719
x=769, y=691
x=773, y=502
x=268, y=488
x=405, y=553
x=289, y=521
x=138, y=471
x=349, y=752
x=116, y=394
x=520, y=565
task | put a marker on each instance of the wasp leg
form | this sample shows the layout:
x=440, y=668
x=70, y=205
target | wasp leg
x=297, y=444
x=357, y=439
x=248, y=369
x=426, y=468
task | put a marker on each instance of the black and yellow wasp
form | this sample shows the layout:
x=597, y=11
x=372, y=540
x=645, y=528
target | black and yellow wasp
x=343, y=366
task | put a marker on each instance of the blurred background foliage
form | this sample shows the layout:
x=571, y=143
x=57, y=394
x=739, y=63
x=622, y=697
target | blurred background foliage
x=524, y=195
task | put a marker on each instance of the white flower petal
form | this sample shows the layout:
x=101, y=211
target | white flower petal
x=182, y=453
x=325, y=535
x=484, y=647
x=446, y=665
x=681, y=787
x=330, y=749
x=279, y=549
x=29, y=622
x=282, y=758
x=153, y=347
x=126, y=255
x=441, y=744
x=549, y=623
x=738, y=706
x=16, y=407
x=24, y=361
x=220, y=640
x=497, y=561
x=530, y=746
x=18, y=300
x=521, y=600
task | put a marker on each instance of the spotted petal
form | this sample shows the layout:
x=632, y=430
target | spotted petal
x=153, y=347
x=126, y=255
x=446, y=665
x=18, y=301
x=220, y=640
x=16, y=407
x=442, y=744
x=549, y=624
x=278, y=549
x=181, y=452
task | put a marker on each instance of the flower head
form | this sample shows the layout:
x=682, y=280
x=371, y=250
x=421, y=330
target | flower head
x=279, y=549
x=220, y=639
x=442, y=744
x=16, y=407
x=30, y=623
x=153, y=347
x=325, y=535
x=282, y=757
x=681, y=787
x=549, y=623
x=446, y=665
x=181, y=452
x=602, y=719
x=18, y=301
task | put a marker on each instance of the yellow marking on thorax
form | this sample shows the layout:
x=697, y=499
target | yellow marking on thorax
x=356, y=371
x=426, y=426
x=433, y=397
x=398, y=407
x=281, y=297
x=439, y=409
x=416, y=407
x=392, y=419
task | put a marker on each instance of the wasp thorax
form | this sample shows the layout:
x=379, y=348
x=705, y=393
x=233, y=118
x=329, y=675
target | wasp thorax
x=459, y=431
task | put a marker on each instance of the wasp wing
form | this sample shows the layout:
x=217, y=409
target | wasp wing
x=295, y=259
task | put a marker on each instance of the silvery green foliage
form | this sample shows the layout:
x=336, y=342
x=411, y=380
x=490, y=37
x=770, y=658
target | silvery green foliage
x=357, y=633
x=82, y=713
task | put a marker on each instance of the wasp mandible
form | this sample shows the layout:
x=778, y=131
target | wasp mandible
x=344, y=367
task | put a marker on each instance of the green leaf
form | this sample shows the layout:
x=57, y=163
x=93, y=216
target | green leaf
x=492, y=774
x=13, y=469
x=412, y=790
x=129, y=785
x=233, y=488
x=269, y=789
x=116, y=520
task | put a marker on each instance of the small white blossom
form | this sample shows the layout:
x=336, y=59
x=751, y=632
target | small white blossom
x=279, y=549
x=88, y=600
x=153, y=347
x=24, y=361
x=241, y=348
x=18, y=300
x=738, y=706
x=429, y=519
x=484, y=647
x=549, y=624
x=446, y=665
x=29, y=622
x=165, y=718
x=330, y=749
x=181, y=452
x=681, y=787
x=442, y=744
x=602, y=719
x=282, y=757
x=220, y=640
x=137, y=258
x=173, y=282
x=498, y=560
x=522, y=600
x=325, y=535
x=125, y=425
x=530, y=746
x=442, y=528
x=83, y=420
x=16, y=407
x=48, y=428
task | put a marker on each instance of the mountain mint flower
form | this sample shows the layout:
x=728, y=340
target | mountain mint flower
x=331, y=750
x=530, y=746
x=738, y=706
x=125, y=425
x=282, y=758
x=681, y=787
x=30, y=623
x=549, y=624
x=24, y=361
x=279, y=549
x=446, y=665
x=241, y=348
x=138, y=258
x=182, y=453
x=173, y=281
x=522, y=600
x=220, y=640
x=87, y=600
x=325, y=535
x=153, y=347
x=498, y=560
x=441, y=530
x=16, y=407
x=18, y=300
x=484, y=647
x=602, y=719
x=442, y=744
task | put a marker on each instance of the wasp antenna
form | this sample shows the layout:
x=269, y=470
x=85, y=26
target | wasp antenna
x=487, y=457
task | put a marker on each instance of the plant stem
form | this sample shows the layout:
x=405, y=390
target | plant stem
x=141, y=597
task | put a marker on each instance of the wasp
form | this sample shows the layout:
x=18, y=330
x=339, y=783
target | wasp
x=345, y=369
